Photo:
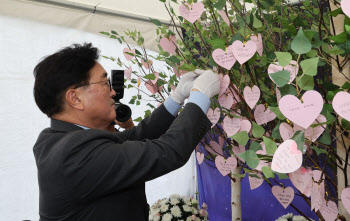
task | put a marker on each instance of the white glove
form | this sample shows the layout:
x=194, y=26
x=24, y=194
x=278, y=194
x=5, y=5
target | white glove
x=208, y=83
x=183, y=89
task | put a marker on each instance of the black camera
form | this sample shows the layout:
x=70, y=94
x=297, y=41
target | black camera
x=123, y=112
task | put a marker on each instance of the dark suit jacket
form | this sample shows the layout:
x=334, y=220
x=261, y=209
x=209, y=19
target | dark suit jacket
x=99, y=175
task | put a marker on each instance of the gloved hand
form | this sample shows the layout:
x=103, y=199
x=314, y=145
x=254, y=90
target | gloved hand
x=183, y=89
x=208, y=83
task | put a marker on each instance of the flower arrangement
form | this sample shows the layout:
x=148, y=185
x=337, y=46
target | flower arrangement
x=291, y=217
x=177, y=208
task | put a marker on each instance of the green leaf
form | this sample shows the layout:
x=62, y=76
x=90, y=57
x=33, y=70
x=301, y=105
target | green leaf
x=335, y=51
x=278, y=113
x=306, y=82
x=325, y=138
x=162, y=1
x=288, y=89
x=139, y=119
x=339, y=39
x=268, y=172
x=345, y=124
x=241, y=137
x=284, y=58
x=104, y=33
x=257, y=23
x=217, y=43
x=155, y=21
x=270, y=146
x=346, y=85
x=318, y=150
x=276, y=132
x=219, y=5
x=150, y=77
x=282, y=176
x=255, y=146
x=299, y=138
x=239, y=175
x=187, y=67
x=301, y=44
x=347, y=28
x=258, y=131
x=114, y=32
x=336, y=12
x=250, y=158
x=147, y=113
x=280, y=78
x=309, y=66
x=174, y=59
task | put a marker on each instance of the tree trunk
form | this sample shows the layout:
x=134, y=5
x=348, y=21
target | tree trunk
x=236, y=196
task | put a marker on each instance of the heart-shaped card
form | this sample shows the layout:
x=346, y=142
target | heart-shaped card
x=191, y=12
x=284, y=196
x=251, y=95
x=287, y=157
x=243, y=52
x=225, y=166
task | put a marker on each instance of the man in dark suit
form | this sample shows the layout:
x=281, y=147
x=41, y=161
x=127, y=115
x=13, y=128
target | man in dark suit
x=88, y=173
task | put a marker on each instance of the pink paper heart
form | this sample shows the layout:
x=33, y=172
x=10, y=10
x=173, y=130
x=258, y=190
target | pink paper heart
x=345, y=198
x=213, y=115
x=312, y=133
x=255, y=182
x=225, y=166
x=329, y=211
x=293, y=69
x=226, y=101
x=237, y=150
x=284, y=197
x=317, y=191
x=251, y=95
x=287, y=158
x=259, y=43
x=224, y=82
x=262, y=116
x=168, y=44
x=302, y=180
x=200, y=157
x=286, y=131
x=225, y=60
x=129, y=57
x=153, y=88
x=221, y=141
x=304, y=113
x=215, y=148
x=156, y=79
x=262, y=163
x=147, y=64
x=245, y=125
x=278, y=94
x=341, y=104
x=128, y=72
x=345, y=6
x=231, y=125
x=223, y=15
x=243, y=52
x=232, y=91
x=191, y=14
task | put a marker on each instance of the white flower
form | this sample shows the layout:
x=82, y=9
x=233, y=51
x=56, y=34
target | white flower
x=156, y=217
x=164, y=201
x=186, y=208
x=175, y=211
x=189, y=218
x=175, y=196
x=174, y=201
x=197, y=219
x=195, y=201
x=154, y=212
x=299, y=218
x=167, y=217
x=164, y=208
x=194, y=210
x=187, y=200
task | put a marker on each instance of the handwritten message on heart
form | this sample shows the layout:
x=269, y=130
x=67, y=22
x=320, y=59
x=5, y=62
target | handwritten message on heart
x=168, y=44
x=341, y=104
x=200, y=157
x=243, y=52
x=255, y=182
x=128, y=72
x=317, y=191
x=345, y=198
x=226, y=101
x=329, y=211
x=147, y=64
x=287, y=157
x=251, y=95
x=259, y=43
x=302, y=180
x=293, y=69
x=213, y=116
x=300, y=113
x=153, y=88
x=127, y=56
x=192, y=13
x=285, y=197
x=262, y=116
x=224, y=82
x=231, y=125
x=225, y=60
x=225, y=166
x=223, y=15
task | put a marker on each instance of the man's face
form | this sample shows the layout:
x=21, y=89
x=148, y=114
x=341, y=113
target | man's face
x=98, y=98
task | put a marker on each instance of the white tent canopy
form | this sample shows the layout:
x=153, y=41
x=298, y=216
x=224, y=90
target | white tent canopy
x=30, y=31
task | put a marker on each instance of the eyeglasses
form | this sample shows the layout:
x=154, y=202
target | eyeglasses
x=107, y=82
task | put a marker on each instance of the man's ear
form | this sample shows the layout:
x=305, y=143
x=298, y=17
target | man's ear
x=73, y=98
